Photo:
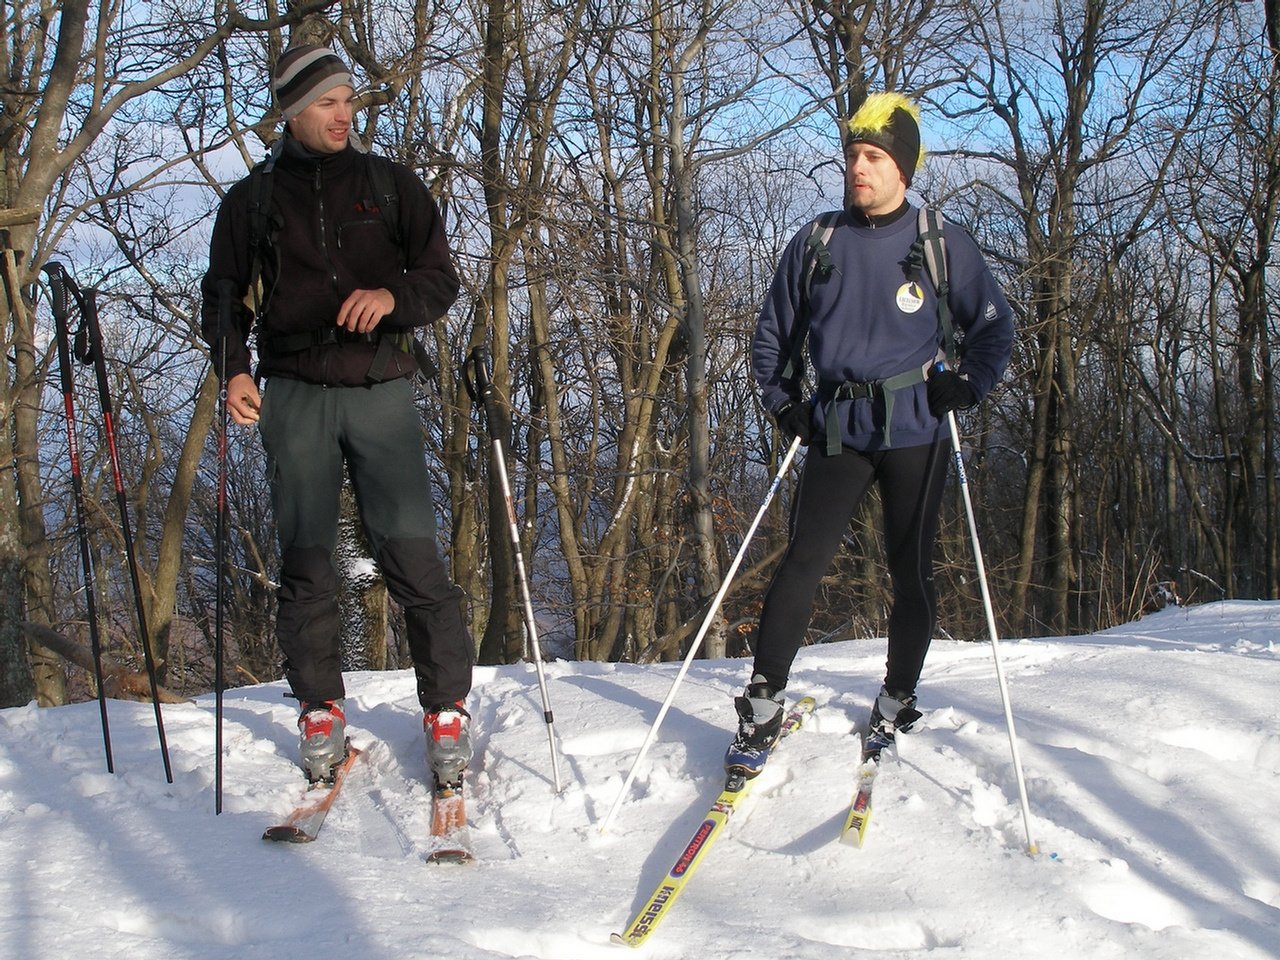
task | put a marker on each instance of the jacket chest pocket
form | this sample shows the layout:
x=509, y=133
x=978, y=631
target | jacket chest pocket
x=364, y=232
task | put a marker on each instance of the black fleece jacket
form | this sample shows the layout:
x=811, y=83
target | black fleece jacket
x=330, y=240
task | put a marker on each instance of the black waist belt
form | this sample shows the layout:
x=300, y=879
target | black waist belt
x=863, y=390
x=295, y=342
x=388, y=342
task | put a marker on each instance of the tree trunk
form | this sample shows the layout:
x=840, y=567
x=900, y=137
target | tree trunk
x=362, y=595
x=47, y=669
x=169, y=555
x=17, y=685
x=696, y=386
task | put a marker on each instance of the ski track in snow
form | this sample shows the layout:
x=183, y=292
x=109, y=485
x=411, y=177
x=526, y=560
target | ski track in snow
x=1151, y=752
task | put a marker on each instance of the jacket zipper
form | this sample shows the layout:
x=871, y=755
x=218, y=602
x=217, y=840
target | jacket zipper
x=324, y=247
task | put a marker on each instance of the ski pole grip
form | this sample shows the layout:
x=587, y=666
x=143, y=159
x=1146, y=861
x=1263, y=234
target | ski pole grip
x=482, y=389
x=480, y=369
x=57, y=290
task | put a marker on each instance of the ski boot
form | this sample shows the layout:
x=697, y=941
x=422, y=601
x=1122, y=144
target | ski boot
x=759, y=726
x=890, y=713
x=448, y=731
x=322, y=738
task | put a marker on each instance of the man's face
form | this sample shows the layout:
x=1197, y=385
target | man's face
x=875, y=183
x=323, y=126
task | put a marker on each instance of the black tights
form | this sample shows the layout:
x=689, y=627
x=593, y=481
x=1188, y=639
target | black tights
x=831, y=489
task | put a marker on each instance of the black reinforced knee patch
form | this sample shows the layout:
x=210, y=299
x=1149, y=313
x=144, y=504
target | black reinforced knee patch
x=439, y=641
x=307, y=573
x=309, y=625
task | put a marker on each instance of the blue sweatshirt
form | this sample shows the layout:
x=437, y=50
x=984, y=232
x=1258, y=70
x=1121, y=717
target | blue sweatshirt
x=870, y=322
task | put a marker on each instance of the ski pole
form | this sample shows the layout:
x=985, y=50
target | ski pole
x=482, y=388
x=88, y=349
x=991, y=626
x=702, y=632
x=62, y=333
x=226, y=298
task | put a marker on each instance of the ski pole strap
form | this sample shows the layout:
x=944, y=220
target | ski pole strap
x=226, y=305
x=863, y=390
x=88, y=339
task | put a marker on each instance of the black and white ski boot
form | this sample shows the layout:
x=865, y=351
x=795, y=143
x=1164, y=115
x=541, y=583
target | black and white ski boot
x=759, y=726
x=890, y=713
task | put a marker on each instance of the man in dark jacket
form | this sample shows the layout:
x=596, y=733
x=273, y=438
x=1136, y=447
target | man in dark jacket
x=874, y=339
x=341, y=292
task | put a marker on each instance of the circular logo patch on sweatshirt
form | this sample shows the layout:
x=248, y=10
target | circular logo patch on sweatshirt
x=910, y=297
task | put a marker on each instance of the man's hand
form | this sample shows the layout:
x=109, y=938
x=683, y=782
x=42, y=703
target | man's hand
x=795, y=419
x=948, y=391
x=243, y=400
x=364, y=309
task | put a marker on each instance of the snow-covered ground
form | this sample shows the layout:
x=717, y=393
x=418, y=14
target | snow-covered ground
x=1152, y=756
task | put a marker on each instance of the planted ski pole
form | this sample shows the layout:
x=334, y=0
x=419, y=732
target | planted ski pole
x=480, y=386
x=88, y=349
x=62, y=334
x=702, y=632
x=991, y=627
x=226, y=300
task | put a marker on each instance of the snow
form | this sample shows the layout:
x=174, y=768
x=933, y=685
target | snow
x=1151, y=752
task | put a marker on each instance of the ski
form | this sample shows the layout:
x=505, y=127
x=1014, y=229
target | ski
x=736, y=787
x=450, y=835
x=855, y=825
x=303, y=825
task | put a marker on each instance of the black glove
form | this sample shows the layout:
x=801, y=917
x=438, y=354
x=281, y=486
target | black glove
x=948, y=391
x=795, y=419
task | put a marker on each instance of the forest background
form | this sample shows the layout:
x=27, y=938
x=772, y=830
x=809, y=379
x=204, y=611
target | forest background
x=618, y=179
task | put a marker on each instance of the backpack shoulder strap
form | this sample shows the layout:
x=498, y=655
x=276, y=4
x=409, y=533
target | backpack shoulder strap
x=261, y=178
x=383, y=183
x=933, y=246
x=817, y=258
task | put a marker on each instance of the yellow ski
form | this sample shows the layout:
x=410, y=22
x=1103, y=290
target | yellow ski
x=737, y=785
x=855, y=826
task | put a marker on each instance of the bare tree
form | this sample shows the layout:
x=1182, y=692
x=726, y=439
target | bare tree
x=1224, y=199
x=1101, y=99
x=63, y=93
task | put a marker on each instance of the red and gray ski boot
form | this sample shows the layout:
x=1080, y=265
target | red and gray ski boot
x=448, y=731
x=323, y=738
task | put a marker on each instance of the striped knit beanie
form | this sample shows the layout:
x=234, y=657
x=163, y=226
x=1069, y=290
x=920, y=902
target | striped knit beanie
x=889, y=121
x=303, y=73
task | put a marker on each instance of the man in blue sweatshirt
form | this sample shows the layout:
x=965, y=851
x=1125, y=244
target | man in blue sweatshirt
x=878, y=413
